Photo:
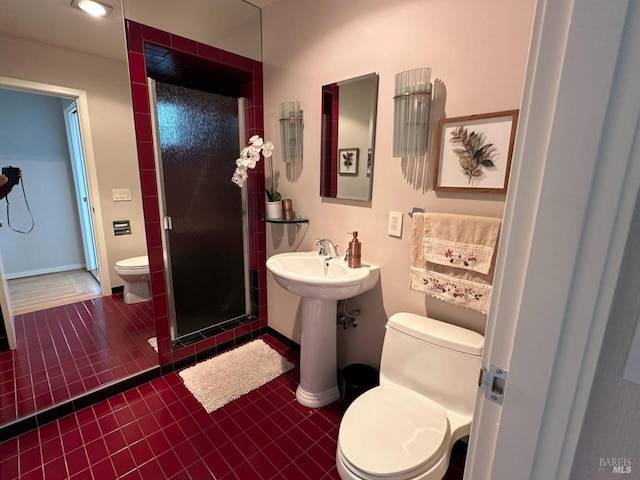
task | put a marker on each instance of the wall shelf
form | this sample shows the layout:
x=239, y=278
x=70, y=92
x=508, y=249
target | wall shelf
x=297, y=220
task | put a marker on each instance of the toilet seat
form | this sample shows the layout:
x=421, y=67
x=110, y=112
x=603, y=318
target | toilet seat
x=133, y=264
x=416, y=433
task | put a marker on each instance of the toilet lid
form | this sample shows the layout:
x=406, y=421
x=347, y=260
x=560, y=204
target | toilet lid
x=134, y=263
x=391, y=431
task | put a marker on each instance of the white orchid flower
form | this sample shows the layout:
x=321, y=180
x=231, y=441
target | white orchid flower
x=249, y=157
x=254, y=152
x=239, y=176
x=256, y=141
x=247, y=162
x=237, y=179
x=267, y=149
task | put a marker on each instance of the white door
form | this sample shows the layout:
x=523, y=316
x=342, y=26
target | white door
x=574, y=182
x=80, y=181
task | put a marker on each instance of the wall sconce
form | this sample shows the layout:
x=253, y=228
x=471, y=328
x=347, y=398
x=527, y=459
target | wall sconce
x=411, y=112
x=290, y=118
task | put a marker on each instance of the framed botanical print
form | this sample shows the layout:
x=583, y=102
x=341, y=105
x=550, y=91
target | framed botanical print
x=474, y=152
x=348, y=161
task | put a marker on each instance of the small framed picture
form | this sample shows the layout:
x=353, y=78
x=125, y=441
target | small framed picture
x=348, y=161
x=473, y=153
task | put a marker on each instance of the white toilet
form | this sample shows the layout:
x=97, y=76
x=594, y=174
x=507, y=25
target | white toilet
x=405, y=428
x=135, y=273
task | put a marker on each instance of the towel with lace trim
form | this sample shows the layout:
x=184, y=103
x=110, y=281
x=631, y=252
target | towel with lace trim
x=452, y=258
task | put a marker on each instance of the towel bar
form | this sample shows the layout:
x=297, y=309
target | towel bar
x=416, y=210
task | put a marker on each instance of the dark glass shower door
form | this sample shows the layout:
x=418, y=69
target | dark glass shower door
x=198, y=136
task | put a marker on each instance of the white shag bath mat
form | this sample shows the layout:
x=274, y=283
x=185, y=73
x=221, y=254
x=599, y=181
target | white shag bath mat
x=153, y=341
x=226, y=377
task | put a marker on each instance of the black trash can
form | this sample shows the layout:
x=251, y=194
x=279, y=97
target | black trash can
x=356, y=379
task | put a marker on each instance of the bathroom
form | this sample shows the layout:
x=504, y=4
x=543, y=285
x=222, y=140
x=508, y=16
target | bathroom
x=304, y=49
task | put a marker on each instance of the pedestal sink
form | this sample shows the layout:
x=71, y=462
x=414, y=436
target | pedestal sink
x=321, y=282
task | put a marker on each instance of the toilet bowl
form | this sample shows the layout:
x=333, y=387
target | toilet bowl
x=405, y=428
x=134, y=272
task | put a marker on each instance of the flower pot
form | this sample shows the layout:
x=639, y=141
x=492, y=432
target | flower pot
x=273, y=210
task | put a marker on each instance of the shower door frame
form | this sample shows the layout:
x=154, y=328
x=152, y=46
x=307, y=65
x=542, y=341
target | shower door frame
x=166, y=222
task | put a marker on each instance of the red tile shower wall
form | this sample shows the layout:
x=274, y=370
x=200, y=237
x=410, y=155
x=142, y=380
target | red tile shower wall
x=137, y=36
x=335, y=115
x=330, y=105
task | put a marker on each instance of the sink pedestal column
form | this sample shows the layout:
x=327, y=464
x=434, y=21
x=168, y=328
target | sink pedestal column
x=318, y=356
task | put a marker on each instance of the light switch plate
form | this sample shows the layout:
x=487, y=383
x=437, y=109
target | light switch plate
x=395, y=224
x=121, y=194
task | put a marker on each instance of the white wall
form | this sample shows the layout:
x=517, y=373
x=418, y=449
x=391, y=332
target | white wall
x=231, y=25
x=33, y=137
x=477, y=51
x=111, y=115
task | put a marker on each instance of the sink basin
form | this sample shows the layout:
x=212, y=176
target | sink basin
x=321, y=282
x=310, y=275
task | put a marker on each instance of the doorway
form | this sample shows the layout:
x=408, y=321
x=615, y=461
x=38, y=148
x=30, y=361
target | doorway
x=57, y=262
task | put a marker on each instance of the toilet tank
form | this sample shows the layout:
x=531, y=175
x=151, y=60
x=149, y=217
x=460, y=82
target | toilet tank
x=434, y=358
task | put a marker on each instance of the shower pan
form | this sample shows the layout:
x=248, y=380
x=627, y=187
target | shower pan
x=205, y=241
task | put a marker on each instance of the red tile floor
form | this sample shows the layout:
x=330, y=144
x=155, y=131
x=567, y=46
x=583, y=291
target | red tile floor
x=65, y=351
x=159, y=431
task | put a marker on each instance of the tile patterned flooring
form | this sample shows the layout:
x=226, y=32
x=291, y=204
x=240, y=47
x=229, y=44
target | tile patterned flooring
x=68, y=350
x=159, y=431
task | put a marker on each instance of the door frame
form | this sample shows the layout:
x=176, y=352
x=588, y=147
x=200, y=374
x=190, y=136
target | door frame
x=566, y=223
x=162, y=207
x=80, y=96
x=165, y=219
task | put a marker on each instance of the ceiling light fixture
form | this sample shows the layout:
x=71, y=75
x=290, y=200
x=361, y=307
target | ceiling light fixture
x=92, y=7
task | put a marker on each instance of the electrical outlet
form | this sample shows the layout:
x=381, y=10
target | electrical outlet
x=395, y=224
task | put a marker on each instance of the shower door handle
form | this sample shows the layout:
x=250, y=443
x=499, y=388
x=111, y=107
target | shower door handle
x=168, y=223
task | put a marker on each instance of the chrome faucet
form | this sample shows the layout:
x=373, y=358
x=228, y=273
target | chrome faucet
x=325, y=244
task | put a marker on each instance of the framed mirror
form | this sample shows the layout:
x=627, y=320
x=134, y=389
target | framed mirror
x=349, y=110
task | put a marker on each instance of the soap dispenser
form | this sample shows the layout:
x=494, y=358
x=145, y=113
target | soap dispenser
x=355, y=252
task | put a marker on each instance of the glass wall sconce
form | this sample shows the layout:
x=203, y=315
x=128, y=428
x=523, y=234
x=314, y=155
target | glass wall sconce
x=411, y=112
x=290, y=118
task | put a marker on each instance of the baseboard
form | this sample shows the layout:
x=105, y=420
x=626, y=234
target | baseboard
x=115, y=290
x=283, y=339
x=44, y=271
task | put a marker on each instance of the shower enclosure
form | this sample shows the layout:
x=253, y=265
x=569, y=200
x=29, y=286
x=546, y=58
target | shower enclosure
x=197, y=139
